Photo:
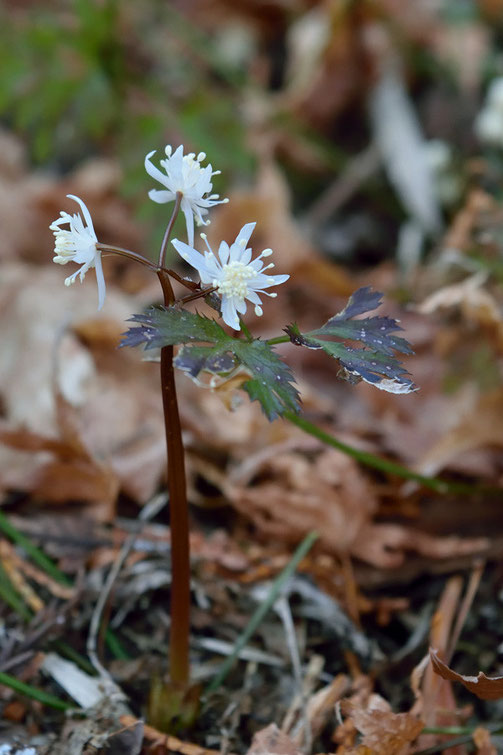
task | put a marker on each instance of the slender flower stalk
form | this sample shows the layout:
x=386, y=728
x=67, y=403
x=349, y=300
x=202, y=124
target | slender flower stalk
x=109, y=249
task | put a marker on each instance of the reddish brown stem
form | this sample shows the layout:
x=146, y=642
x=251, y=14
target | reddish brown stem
x=179, y=514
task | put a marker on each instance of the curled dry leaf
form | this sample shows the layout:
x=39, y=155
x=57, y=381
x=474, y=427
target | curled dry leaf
x=487, y=688
x=384, y=732
x=295, y=493
x=477, y=305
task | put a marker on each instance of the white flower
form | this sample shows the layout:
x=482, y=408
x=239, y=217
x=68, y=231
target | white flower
x=233, y=274
x=78, y=244
x=184, y=174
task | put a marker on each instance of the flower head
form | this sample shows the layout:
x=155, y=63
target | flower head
x=233, y=273
x=184, y=174
x=78, y=244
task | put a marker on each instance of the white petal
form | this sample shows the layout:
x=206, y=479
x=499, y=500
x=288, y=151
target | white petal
x=223, y=252
x=86, y=214
x=153, y=171
x=266, y=281
x=229, y=313
x=240, y=305
x=194, y=258
x=189, y=219
x=244, y=234
x=161, y=196
x=239, y=246
x=246, y=256
x=100, y=278
x=253, y=297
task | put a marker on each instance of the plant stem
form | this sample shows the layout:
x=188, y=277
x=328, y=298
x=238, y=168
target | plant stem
x=179, y=515
x=108, y=249
x=278, y=339
x=245, y=330
x=377, y=462
x=167, y=232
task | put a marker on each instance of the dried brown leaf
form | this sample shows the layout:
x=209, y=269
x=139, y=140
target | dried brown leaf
x=481, y=427
x=105, y=404
x=295, y=493
x=272, y=741
x=384, y=732
x=482, y=739
x=487, y=688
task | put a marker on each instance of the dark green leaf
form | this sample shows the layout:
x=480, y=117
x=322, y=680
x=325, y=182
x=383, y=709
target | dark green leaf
x=168, y=326
x=270, y=380
x=375, y=362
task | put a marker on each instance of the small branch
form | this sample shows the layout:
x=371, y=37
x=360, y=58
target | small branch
x=198, y=295
x=184, y=281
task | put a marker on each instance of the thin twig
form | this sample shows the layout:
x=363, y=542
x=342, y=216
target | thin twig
x=471, y=590
x=282, y=608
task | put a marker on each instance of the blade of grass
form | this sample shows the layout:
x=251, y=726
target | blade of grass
x=50, y=568
x=34, y=693
x=384, y=465
x=263, y=608
x=66, y=650
x=12, y=597
x=115, y=646
x=35, y=553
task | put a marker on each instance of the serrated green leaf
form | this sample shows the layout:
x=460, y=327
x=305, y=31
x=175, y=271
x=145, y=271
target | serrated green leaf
x=376, y=363
x=169, y=326
x=271, y=381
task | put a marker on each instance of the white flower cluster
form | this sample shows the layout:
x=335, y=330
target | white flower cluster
x=184, y=175
x=233, y=274
x=489, y=122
